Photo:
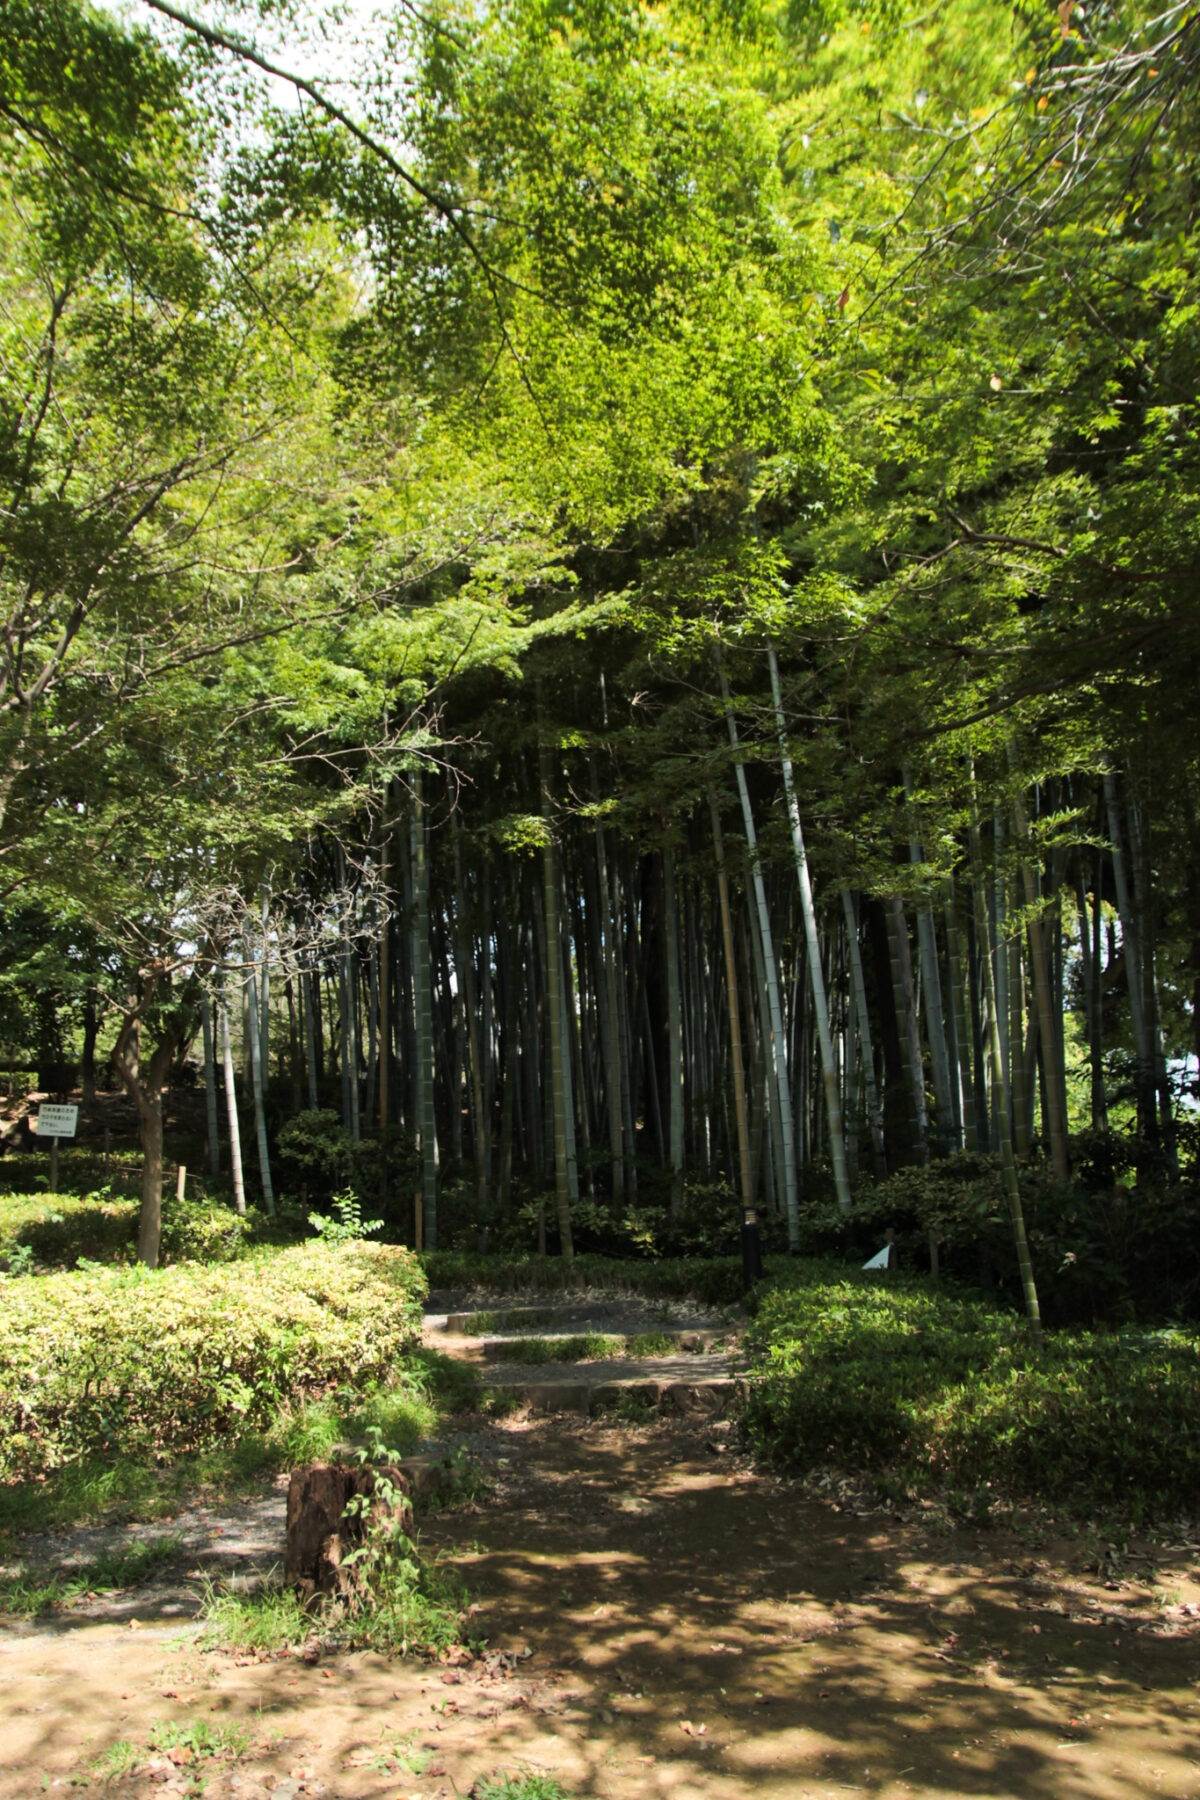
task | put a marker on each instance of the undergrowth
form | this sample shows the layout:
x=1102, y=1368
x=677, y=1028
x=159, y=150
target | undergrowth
x=407, y=1408
x=712, y=1280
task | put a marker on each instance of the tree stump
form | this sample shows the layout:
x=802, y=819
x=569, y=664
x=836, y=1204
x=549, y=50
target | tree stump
x=319, y=1534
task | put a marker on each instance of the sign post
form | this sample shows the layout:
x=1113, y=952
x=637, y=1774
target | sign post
x=55, y=1122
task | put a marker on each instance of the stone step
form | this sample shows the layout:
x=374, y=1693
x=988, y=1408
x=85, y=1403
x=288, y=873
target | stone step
x=617, y=1313
x=667, y=1384
x=567, y=1392
x=604, y=1346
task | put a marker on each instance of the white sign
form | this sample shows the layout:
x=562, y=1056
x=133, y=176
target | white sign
x=57, y=1121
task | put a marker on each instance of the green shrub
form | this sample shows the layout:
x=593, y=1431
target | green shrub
x=203, y=1231
x=61, y=1229
x=860, y=1374
x=136, y=1362
x=317, y=1155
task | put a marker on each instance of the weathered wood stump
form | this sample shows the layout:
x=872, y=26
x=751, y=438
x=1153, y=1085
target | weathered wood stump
x=320, y=1535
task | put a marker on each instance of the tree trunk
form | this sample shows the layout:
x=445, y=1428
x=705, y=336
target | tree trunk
x=231, y=1110
x=1008, y=1165
x=829, y=1075
x=935, y=1023
x=559, y=1091
x=310, y=999
x=256, y=1076
x=1056, y=1109
x=1089, y=977
x=422, y=953
x=466, y=980
x=674, y=1027
x=611, y=1012
x=145, y=1089
x=210, y=1087
x=87, y=1061
x=777, y=1046
x=965, y=1087
x=863, y=1021
x=1131, y=951
x=741, y=1120
x=909, y=1042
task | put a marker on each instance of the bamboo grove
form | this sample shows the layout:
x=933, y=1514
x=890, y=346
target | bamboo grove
x=615, y=611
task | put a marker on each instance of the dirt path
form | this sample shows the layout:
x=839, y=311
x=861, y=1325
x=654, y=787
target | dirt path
x=696, y=1629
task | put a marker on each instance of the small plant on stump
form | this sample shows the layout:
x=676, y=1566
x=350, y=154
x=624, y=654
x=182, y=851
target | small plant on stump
x=391, y=1600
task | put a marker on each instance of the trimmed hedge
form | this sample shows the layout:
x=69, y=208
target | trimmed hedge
x=943, y=1393
x=133, y=1363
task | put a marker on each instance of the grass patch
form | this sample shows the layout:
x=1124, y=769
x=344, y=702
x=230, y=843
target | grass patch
x=512, y=1319
x=501, y=1403
x=268, y=1619
x=591, y=1346
x=199, y=1741
x=452, y=1386
x=123, y=1488
x=527, y=1786
x=939, y=1393
x=651, y=1343
x=61, y=1231
x=402, y=1757
x=183, y=1743
x=119, y=1760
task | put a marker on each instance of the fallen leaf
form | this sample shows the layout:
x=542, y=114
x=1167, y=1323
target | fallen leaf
x=693, y=1730
x=135, y=1624
x=182, y=1753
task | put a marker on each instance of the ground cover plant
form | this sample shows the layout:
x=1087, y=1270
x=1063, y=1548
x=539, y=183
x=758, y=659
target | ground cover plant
x=933, y=1392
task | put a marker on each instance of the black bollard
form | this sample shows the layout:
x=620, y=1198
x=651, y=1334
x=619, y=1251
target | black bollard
x=752, y=1262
